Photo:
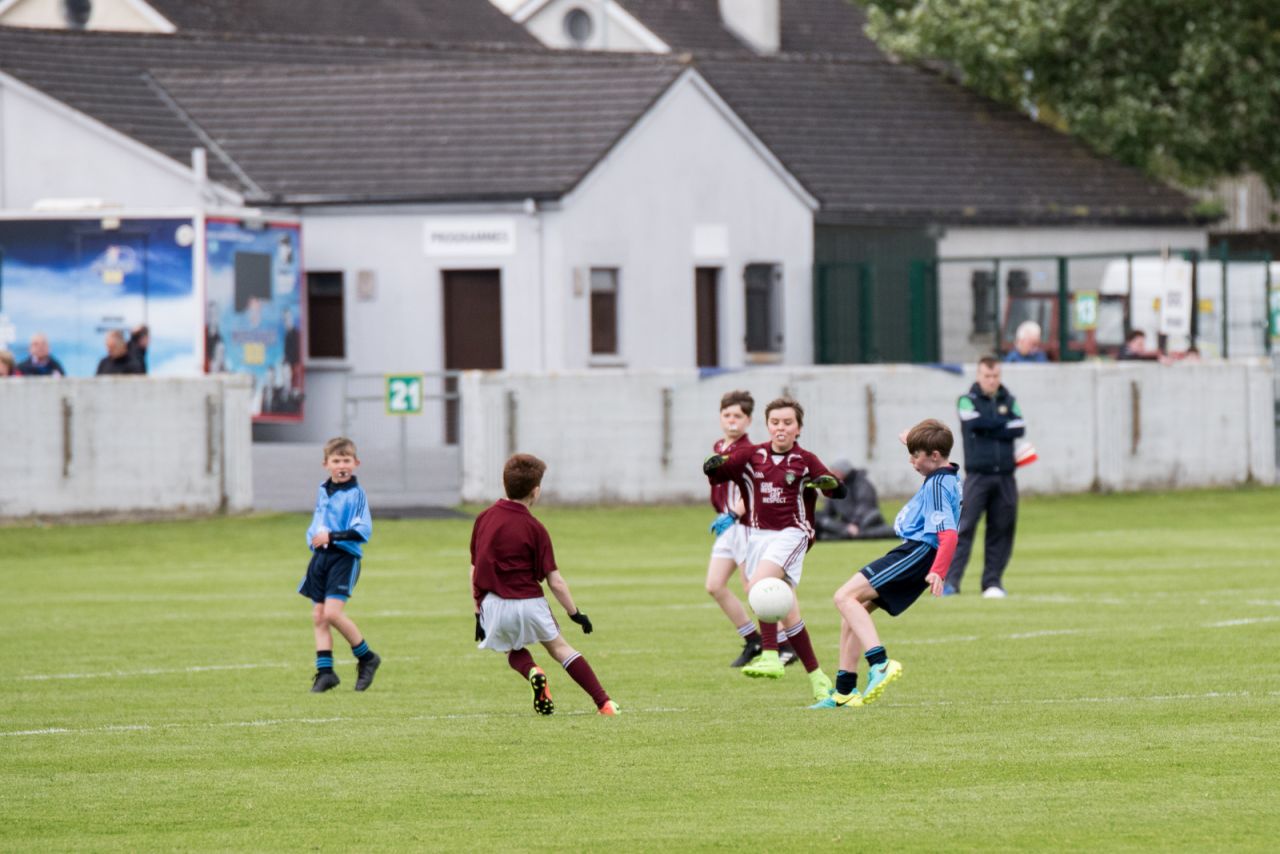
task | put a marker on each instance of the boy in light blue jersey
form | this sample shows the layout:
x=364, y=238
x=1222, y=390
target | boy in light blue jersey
x=340, y=525
x=927, y=525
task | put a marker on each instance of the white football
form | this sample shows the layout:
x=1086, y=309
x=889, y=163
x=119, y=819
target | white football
x=771, y=599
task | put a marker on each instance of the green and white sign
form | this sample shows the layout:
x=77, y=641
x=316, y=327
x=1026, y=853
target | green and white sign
x=1086, y=310
x=404, y=394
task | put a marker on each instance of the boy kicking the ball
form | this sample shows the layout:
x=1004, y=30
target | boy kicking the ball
x=927, y=525
x=729, y=551
x=778, y=480
x=340, y=526
x=511, y=556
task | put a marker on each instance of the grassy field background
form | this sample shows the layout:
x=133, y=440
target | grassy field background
x=1124, y=697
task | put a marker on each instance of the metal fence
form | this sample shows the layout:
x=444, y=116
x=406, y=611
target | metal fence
x=407, y=426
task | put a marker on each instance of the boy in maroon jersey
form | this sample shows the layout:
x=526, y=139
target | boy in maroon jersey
x=730, y=548
x=511, y=556
x=778, y=480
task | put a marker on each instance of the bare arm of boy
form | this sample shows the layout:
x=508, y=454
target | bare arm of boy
x=560, y=589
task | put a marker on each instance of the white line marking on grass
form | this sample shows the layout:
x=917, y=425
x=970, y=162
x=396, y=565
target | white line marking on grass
x=153, y=671
x=169, y=671
x=128, y=728
x=1046, y=633
x=1245, y=621
x=957, y=639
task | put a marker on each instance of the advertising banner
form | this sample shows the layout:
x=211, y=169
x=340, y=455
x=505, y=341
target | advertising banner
x=253, y=318
x=74, y=280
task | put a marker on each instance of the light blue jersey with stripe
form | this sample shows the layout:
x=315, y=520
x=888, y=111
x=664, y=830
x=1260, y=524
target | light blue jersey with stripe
x=342, y=507
x=935, y=507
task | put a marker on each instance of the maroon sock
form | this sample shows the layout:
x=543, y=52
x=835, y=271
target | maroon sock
x=521, y=661
x=586, y=678
x=804, y=648
x=769, y=636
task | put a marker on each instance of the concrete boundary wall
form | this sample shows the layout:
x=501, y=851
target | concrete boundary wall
x=642, y=436
x=125, y=444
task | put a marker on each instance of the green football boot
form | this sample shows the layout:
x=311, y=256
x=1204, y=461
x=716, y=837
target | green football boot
x=839, y=701
x=767, y=666
x=878, y=677
x=821, y=685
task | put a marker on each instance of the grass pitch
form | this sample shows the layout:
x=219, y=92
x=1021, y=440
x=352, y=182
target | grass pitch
x=1124, y=697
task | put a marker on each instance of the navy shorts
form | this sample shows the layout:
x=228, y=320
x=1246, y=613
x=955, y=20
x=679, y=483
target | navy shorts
x=332, y=574
x=898, y=577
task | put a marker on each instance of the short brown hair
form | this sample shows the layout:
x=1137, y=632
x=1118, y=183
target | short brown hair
x=741, y=398
x=930, y=435
x=988, y=362
x=784, y=403
x=340, y=446
x=521, y=475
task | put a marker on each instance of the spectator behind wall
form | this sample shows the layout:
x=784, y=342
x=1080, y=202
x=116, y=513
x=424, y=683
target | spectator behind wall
x=117, y=360
x=1026, y=344
x=39, y=363
x=139, y=340
x=7, y=366
x=1135, y=348
x=856, y=516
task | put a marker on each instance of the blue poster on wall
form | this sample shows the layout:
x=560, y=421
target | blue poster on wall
x=253, y=320
x=75, y=280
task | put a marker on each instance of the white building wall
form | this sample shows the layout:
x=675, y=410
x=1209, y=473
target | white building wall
x=956, y=295
x=397, y=327
x=1095, y=426
x=685, y=167
x=48, y=150
x=656, y=208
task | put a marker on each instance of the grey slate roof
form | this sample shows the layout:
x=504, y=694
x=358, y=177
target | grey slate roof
x=808, y=26
x=497, y=127
x=882, y=144
x=101, y=74
x=358, y=119
x=457, y=21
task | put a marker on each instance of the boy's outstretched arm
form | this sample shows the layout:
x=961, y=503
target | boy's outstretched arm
x=941, y=561
x=720, y=467
x=560, y=589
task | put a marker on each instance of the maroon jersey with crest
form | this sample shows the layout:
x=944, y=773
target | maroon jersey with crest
x=724, y=495
x=773, y=485
x=511, y=552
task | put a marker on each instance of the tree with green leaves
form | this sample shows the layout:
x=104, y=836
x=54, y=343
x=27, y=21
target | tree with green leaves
x=1188, y=90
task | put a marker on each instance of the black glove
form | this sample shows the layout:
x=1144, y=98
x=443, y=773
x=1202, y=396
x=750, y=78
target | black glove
x=582, y=620
x=823, y=482
x=713, y=462
x=479, y=630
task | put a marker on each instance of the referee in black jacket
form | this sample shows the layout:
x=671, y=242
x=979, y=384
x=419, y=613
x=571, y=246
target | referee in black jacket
x=990, y=421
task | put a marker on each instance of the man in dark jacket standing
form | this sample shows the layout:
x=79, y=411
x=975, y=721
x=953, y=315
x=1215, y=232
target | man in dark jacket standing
x=990, y=421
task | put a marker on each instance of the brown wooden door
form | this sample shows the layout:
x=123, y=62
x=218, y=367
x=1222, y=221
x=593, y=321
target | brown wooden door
x=472, y=331
x=707, y=297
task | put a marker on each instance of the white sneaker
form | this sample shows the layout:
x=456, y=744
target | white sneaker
x=994, y=593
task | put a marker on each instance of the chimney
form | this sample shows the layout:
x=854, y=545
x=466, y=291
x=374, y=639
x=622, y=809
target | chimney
x=757, y=22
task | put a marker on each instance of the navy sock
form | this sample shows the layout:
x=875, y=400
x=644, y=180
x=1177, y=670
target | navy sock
x=877, y=655
x=362, y=651
x=846, y=682
x=324, y=660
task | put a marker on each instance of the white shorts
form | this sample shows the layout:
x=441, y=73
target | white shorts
x=732, y=544
x=515, y=623
x=786, y=548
